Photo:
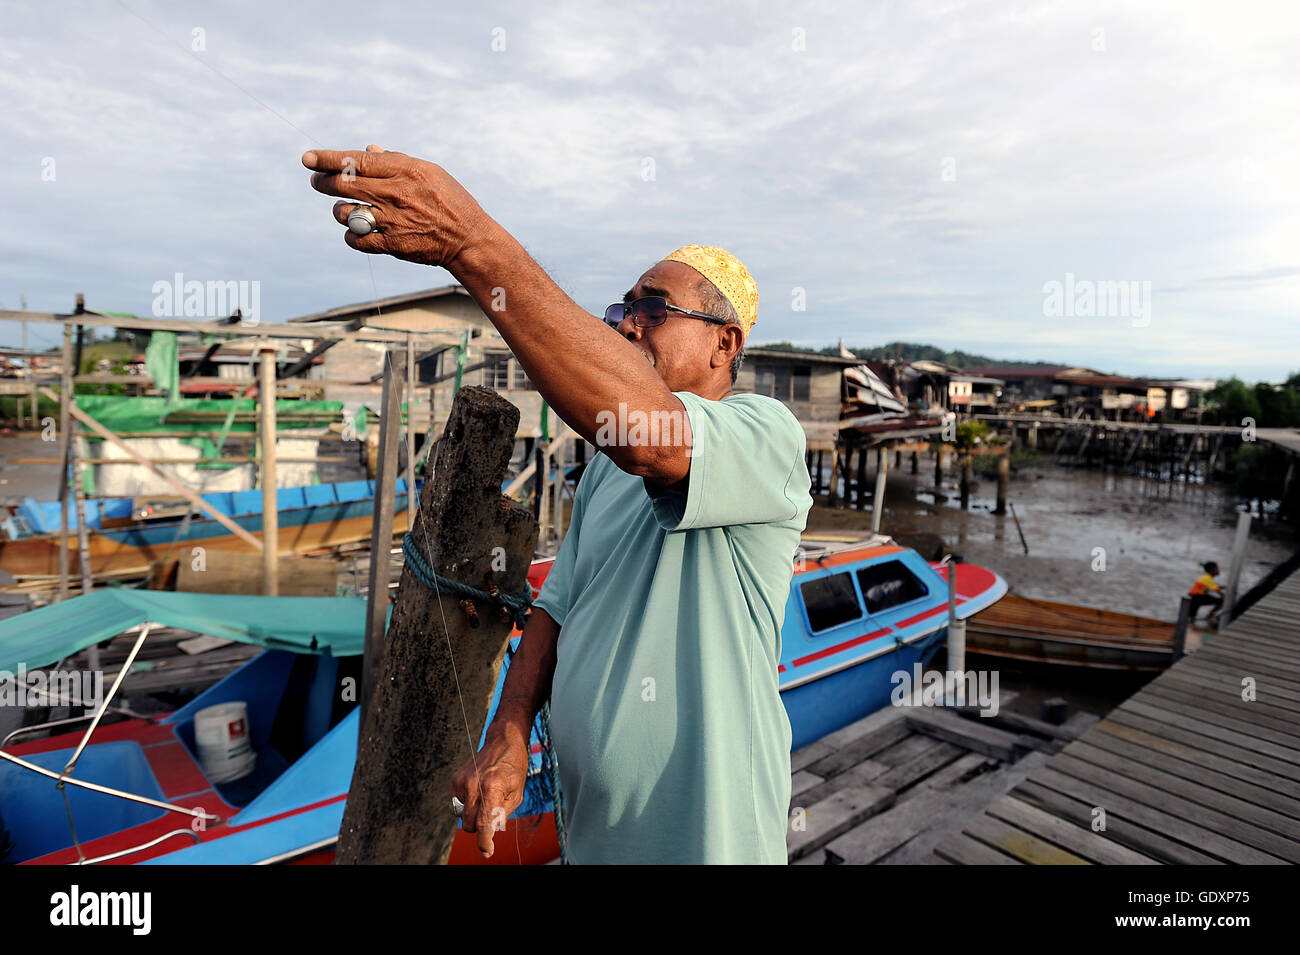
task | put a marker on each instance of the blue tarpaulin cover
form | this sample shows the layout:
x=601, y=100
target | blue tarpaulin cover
x=300, y=624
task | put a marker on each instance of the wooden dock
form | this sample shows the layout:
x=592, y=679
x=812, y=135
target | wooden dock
x=1202, y=766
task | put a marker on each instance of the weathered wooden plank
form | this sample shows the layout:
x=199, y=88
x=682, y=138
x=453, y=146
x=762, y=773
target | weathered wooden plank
x=1194, y=757
x=1170, y=824
x=1213, y=730
x=825, y=820
x=1220, y=685
x=1015, y=723
x=933, y=859
x=1244, y=724
x=1200, y=793
x=915, y=826
x=1119, y=829
x=1196, y=740
x=863, y=774
x=802, y=758
x=1255, y=713
x=961, y=849
x=956, y=772
x=865, y=746
x=880, y=835
x=1083, y=842
x=1245, y=843
x=950, y=727
x=803, y=781
x=1200, y=770
x=1024, y=846
x=916, y=769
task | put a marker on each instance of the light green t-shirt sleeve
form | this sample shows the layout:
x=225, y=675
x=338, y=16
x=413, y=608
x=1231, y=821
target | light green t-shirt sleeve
x=747, y=459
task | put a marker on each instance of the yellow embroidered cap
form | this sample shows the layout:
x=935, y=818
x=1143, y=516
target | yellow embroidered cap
x=727, y=273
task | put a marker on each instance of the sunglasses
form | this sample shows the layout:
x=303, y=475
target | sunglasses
x=651, y=311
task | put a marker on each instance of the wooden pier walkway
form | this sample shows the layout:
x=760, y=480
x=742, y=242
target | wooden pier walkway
x=1202, y=766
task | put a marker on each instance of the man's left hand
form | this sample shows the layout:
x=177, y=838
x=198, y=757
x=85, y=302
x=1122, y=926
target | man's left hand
x=421, y=213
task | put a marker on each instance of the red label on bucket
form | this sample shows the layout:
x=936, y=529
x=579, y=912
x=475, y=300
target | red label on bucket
x=235, y=729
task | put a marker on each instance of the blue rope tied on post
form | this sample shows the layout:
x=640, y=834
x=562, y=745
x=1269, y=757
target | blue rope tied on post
x=519, y=605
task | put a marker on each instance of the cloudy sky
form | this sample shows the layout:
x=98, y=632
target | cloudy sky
x=916, y=171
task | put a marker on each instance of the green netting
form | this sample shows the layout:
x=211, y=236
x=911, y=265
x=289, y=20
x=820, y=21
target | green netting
x=150, y=413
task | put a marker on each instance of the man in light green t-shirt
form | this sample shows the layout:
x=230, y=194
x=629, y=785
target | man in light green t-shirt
x=666, y=715
x=657, y=635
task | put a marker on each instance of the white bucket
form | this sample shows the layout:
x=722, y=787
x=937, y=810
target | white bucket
x=224, y=741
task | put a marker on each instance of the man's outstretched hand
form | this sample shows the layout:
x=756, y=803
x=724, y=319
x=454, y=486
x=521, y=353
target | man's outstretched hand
x=421, y=213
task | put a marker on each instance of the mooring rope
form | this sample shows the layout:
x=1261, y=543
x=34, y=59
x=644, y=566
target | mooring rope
x=519, y=605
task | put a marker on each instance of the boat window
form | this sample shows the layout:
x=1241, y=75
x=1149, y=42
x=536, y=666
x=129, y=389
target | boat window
x=888, y=585
x=831, y=601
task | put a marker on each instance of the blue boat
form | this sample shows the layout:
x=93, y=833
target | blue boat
x=127, y=535
x=854, y=618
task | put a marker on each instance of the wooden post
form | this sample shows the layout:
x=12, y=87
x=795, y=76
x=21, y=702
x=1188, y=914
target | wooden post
x=861, y=482
x=967, y=476
x=878, y=500
x=1004, y=481
x=833, y=491
x=443, y=654
x=381, y=530
x=411, y=502
x=1234, y=568
x=916, y=462
x=1180, y=630
x=65, y=432
x=270, y=504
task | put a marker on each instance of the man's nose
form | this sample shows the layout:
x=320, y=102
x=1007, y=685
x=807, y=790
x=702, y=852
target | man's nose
x=629, y=329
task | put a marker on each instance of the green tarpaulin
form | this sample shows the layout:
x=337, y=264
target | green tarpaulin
x=41, y=637
x=160, y=360
x=117, y=413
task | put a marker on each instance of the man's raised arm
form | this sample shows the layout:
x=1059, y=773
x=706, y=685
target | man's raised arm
x=579, y=364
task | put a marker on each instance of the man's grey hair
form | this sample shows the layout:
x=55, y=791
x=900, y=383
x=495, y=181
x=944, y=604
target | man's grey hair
x=715, y=303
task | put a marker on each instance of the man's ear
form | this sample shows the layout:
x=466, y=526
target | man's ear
x=730, y=342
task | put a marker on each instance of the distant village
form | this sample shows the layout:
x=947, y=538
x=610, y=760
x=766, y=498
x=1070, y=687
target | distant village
x=821, y=389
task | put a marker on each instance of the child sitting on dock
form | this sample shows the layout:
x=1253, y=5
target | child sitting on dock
x=1205, y=592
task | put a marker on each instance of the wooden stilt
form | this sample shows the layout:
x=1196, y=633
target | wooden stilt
x=862, y=478
x=878, y=499
x=1004, y=482
x=270, y=502
x=381, y=530
x=65, y=433
x=410, y=431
